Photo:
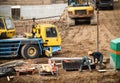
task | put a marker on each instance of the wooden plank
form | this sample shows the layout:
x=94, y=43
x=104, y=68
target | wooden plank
x=12, y=63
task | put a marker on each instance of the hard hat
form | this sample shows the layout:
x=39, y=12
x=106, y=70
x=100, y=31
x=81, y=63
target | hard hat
x=90, y=52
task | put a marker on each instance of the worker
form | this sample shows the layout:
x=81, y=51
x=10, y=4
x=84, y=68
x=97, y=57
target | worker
x=85, y=61
x=33, y=28
x=98, y=56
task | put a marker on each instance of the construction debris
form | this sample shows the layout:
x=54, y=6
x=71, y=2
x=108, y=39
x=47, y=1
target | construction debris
x=6, y=71
x=75, y=63
x=9, y=78
x=26, y=68
x=31, y=66
x=16, y=67
x=48, y=69
x=12, y=63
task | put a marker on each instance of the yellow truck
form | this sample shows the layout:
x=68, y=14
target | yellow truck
x=7, y=28
x=44, y=40
x=80, y=10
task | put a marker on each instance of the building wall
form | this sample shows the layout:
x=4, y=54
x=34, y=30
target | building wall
x=24, y=2
x=32, y=8
x=5, y=10
x=30, y=2
x=36, y=11
x=42, y=10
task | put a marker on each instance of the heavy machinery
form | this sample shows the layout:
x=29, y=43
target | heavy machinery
x=7, y=28
x=105, y=4
x=80, y=10
x=44, y=40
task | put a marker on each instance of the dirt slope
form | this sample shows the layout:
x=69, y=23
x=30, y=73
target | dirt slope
x=78, y=40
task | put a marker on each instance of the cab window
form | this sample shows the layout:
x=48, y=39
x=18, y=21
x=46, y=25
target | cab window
x=9, y=24
x=51, y=32
x=1, y=24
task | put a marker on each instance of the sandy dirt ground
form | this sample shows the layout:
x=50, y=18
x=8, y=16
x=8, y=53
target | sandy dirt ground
x=77, y=41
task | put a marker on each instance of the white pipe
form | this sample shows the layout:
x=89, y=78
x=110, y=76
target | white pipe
x=64, y=58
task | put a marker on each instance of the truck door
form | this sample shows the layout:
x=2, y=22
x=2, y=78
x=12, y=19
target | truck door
x=52, y=37
x=1, y=24
x=2, y=28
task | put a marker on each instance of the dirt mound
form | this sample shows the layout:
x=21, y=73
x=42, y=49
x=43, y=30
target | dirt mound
x=78, y=40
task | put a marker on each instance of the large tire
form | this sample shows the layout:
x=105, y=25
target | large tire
x=30, y=51
x=111, y=7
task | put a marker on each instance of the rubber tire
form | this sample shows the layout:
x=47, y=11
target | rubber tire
x=111, y=7
x=24, y=53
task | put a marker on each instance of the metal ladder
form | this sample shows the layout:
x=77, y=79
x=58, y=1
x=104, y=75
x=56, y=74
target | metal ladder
x=9, y=48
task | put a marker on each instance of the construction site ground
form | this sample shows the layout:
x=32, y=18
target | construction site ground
x=76, y=42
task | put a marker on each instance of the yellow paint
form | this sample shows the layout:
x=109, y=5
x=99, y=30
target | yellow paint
x=89, y=10
x=80, y=8
x=40, y=32
x=48, y=41
x=8, y=32
x=48, y=52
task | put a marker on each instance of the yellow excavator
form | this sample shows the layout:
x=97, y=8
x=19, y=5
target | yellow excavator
x=80, y=10
x=7, y=28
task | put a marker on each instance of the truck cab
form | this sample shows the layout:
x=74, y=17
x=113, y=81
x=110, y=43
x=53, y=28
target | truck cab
x=7, y=28
x=49, y=34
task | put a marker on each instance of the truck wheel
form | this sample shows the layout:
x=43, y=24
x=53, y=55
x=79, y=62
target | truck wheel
x=30, y=51
x=111, y=7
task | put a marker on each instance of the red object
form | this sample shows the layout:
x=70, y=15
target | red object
x=54, y=67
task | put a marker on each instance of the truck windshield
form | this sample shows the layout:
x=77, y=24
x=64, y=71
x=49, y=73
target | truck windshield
x=51, y=32
x=78, y=2
x=1, y=24
x=9, y=24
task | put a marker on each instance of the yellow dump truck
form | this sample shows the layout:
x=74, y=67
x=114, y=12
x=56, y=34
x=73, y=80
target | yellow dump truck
x=80, y=10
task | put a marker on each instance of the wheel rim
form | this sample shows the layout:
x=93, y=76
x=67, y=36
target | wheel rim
x=31, y=51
